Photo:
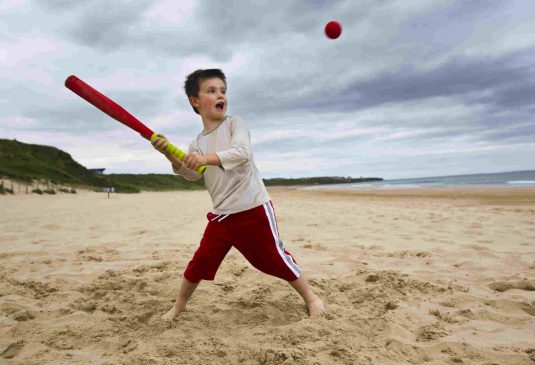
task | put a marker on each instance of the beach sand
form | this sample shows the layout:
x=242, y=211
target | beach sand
x=408, y=277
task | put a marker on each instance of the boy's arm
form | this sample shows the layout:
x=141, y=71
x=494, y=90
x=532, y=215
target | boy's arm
x=193, y=160
x=240, y=149
x=175, y=161
x=179, y=166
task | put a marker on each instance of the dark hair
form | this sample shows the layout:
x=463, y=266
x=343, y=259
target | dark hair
x=194, y=79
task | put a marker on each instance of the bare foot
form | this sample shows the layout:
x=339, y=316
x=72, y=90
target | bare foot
x=172, y=313
x=316, y=308
x=12, y=350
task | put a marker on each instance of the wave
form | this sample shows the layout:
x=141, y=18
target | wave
x=521, y=182
x=400, y=186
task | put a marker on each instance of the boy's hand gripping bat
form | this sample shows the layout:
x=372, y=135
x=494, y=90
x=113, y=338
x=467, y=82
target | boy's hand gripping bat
x=118, y=113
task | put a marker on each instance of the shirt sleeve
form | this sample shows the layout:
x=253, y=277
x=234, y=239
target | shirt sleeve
x=188, y=174
x=240, y=149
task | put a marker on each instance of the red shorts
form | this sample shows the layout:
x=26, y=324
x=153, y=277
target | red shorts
x=254, y=233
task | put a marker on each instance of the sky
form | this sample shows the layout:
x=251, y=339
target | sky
x=410, y=89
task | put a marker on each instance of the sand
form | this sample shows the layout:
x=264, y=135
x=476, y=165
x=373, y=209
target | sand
x=408, y=277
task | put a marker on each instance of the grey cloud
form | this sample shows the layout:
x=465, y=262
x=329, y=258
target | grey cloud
x=227, y=26
x=288, y=144
x=77, y=116
x=255, y=20
x=449, y=24
x=65, y=5
x=516, y=134
x=455, y=78
x=291, y=74
x=517, y=93
x=281, y=145
x=216, y=29
x=104, y=25
x=108, y=26
x=112, y=26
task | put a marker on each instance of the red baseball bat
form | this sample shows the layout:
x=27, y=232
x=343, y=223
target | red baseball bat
x=117, y=112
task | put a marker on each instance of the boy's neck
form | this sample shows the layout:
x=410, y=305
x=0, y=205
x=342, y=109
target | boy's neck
x=210, y=125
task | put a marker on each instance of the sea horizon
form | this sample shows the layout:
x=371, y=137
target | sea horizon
x=522, y=178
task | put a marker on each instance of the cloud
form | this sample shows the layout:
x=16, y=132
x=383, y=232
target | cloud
x=409, y=87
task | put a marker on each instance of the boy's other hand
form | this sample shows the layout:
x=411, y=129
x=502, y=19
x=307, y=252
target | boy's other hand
x=194, y=160
x=160, y=143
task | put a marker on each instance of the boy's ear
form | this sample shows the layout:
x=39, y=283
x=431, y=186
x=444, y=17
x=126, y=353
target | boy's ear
x=194, y=101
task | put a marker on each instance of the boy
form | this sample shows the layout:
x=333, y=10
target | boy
x=242, y=215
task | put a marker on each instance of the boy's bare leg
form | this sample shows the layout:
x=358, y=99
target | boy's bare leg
x=184, y=293
x=313, y=303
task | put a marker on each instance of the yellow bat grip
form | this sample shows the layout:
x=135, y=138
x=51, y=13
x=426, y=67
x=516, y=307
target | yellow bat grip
x=177, y=152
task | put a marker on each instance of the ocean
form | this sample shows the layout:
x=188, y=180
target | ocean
x=502, y=179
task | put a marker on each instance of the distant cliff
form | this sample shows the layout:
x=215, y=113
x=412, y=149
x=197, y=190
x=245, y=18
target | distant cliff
x=30, y=162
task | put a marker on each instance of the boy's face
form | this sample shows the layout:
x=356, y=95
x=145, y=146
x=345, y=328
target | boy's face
x=212, y=100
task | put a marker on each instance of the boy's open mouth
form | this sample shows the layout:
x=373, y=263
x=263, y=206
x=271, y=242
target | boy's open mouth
x=220, y=105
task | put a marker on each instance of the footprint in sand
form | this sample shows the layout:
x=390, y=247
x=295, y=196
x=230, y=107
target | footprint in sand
x=531, y=354
x=502, y=286
x=315, y=246
x=226, y=286
x=93, y=258
x=431, y=332
x=51, y=227
x=511, y=306
x=444, y=316
x=22, y=316
x=84, y=305
x=127, y=346
x=139, y=232
x=405, y=253
x=12, y=350
x=36, y=288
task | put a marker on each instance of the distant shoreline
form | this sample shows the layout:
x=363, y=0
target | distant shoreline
x=513, y=179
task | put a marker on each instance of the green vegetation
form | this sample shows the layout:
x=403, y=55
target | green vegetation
x=154, y=182
x=29, y=162
x=322, y=180
x=5, y=190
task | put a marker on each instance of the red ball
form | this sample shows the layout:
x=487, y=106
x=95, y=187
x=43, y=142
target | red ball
x=333, y=29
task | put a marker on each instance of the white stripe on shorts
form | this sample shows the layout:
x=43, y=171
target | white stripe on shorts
x=279, y=244
x=223, y=217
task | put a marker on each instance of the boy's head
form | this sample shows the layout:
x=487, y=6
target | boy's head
x=195, y=82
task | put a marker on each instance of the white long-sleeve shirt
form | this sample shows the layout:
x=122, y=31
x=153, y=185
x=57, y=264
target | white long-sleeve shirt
x=236, y=185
